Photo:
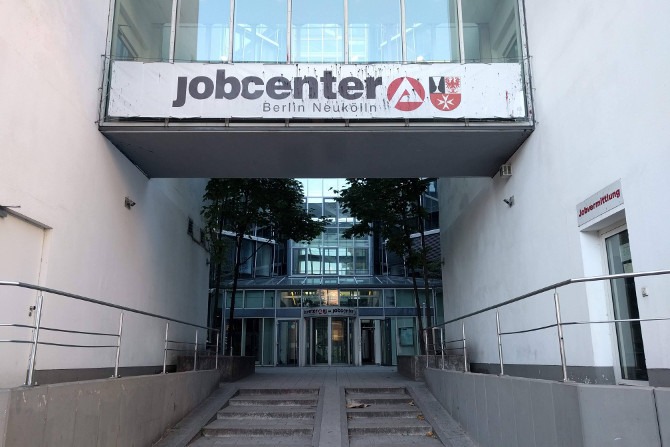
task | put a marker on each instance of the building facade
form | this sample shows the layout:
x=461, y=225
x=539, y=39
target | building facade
x=586, y=192
x=330, y=301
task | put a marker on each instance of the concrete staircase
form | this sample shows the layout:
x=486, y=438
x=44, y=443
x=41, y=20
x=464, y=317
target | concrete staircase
x=386, y=417
x=264, y=417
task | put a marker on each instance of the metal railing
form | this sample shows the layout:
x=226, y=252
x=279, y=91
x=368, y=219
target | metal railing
x=37, y=328
x=559, y=324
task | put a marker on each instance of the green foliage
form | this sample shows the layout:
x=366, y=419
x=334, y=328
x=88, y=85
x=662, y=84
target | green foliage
x=390, y=207
x=239, y=205
x=242, y=204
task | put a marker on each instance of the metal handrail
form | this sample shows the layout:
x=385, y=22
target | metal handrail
x=552, y=287
x=36, y=329
x=559, y=324
x=94, y=301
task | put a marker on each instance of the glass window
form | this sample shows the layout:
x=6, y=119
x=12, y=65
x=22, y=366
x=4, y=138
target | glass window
x=361, y=266
x=374, y=31
x=142, y=30
x=289, y=298
x=315, y=206
x=370, y=298
x=389, y=298
x=431, y=30
x=330, y=210
x=253, y=299
x=260, y=31
x=311, y=298
x=349, y=298
x=404, y=298
x=203, y=31
x=491, y=31
x=317, y=31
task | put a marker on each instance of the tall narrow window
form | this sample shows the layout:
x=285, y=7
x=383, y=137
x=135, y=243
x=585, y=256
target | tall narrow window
x=491, y=31
x=317, y=32
x=203, y=31
x=374, y=31
x=431, y=30
x=142, y=30
x=260, y=31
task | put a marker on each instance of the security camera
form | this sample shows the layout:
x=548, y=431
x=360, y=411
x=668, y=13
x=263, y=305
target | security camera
x=128, y=203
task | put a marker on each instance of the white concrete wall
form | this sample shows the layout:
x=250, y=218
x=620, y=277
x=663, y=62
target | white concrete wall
x=66, y=176
x=601, y=98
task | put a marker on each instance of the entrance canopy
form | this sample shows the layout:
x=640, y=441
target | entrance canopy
x=388, y=150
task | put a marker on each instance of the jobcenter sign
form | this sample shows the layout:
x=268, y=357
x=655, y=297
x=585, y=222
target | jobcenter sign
x=336, y=91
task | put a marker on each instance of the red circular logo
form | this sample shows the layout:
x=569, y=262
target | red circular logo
x=406, y=94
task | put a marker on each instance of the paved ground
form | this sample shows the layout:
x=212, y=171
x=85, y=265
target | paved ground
x=331, y=381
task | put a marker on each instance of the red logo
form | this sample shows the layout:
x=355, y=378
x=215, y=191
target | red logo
x=445, y=92
x=406, y=94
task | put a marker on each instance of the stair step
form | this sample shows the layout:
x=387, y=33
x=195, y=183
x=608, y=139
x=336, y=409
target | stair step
x=399, y=426
x=265, y=412
x=389, y=390
x=371, y=398
x=225, y=427
x=272, y=391
x=376, y=411
x=274, y=400
x=394, y=441
x=256, y=441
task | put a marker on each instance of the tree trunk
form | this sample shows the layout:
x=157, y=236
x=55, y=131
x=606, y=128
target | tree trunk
x=217, y=276
x=426, y=289
x=417, y=300
x=236, y=274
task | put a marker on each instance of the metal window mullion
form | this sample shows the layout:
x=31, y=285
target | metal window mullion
x=173, y=29
x=231, y=44
x=289, y=19
x=346, y=31
x=461, y=40
x=104, y=92
x=403, y=33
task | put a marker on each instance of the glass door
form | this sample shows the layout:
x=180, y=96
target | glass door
x=340, y=341
x=320, y=340
x=624, y=302
x=287, y=343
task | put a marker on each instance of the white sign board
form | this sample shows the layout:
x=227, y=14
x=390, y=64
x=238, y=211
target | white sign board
x=335, y=91
x=330, y=312
x=599, y=203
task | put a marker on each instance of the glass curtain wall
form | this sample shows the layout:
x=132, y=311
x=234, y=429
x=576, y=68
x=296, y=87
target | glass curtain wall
x=431, y=31
x=203, y=31
x=489, y=30
x=329, y=253
x=317, y=31
x=260, y=31
x=374, y=31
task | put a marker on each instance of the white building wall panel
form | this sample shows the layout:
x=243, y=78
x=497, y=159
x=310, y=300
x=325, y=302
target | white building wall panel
x=601, y=93
x=65, y=175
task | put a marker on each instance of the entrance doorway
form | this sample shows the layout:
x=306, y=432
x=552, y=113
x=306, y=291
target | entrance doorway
x=624, y=303
x=371, y=341
x=287, y=343
x=330, y=341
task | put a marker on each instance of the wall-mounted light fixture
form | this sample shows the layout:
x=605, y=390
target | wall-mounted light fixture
x=128, y=202
x=505, y=171
x=3, y=210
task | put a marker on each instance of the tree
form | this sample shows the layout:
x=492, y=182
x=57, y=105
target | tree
x=392, y=208
x=239, y=205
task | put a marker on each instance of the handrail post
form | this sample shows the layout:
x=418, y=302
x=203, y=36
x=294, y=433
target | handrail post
x=500, y=350
x=561, y=341
x=118, y=348
x=216, y=353
x=36, y=335
x=195, y=351
x=442, y=345
x=465, y=349
x=165, y=349
x=425, y=338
